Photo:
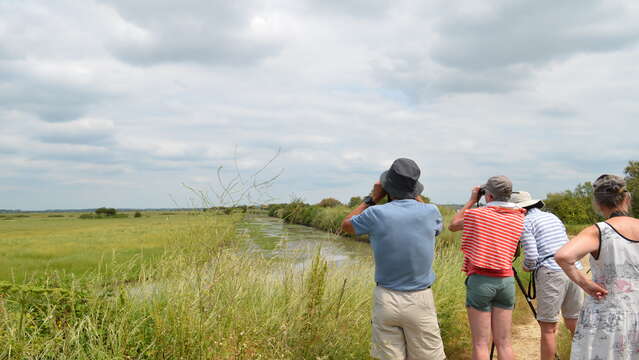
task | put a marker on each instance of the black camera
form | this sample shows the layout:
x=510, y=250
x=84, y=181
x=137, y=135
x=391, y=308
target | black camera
x=481, y=192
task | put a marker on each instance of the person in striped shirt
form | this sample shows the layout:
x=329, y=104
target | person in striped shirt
x=543, y=235
x=489, y=242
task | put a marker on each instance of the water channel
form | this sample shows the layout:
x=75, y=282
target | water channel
x=272, y=237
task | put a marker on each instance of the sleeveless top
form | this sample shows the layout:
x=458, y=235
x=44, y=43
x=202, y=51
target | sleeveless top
x=609, y=328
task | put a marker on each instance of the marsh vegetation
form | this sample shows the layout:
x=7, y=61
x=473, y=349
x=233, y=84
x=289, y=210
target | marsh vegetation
x=202, y=285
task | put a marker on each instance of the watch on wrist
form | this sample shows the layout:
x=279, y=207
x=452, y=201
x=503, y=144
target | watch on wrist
x=368, y=200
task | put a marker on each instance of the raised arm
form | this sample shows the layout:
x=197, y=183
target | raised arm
x=587, y=241
x=377, y=195
x=457, y=223
x=347, y=224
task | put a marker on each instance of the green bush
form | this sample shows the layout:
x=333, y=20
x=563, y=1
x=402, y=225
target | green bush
x=354, y=201
x=273, y=208
x=105, y=211
x=13, y=216
x=632, y=182
x=42, y=309
x=330, y=219
x=137, y=214
x=329, y=202
x=292, y=213
x=573, y=207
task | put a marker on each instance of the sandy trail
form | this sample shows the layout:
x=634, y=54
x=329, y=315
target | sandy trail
x=526, y=340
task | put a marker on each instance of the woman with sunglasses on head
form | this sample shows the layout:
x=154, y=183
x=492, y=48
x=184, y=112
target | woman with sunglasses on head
x=608, y=326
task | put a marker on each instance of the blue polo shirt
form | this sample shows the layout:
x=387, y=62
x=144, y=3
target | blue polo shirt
x=402, y=235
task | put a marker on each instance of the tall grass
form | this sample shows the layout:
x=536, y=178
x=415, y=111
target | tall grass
x=449, y=289
x=564, y=342
x=205, y=299
x=323, y=218
x=208, y=298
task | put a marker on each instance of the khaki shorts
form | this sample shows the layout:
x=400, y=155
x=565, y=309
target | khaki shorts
x=555, y=292
x=405, y=325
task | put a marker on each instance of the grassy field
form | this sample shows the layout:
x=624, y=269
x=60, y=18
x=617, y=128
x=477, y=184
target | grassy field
x=203, y=298
x=32, y=244
x=183, y=287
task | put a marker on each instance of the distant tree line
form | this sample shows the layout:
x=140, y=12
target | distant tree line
x=573, y=207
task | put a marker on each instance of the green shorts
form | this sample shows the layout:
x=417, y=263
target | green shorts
x=484, y=292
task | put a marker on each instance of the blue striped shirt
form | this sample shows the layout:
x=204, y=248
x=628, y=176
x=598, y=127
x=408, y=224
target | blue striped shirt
x=543, y=235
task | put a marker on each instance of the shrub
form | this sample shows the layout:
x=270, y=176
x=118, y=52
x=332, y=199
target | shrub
x=632, y=181
x=43, y=309
x=330, y=219
x=105, y=211
x=573, y=207
x=354, y=201
x=329, y=202
x=273, y=209
x=292, y=213
x=137, y=214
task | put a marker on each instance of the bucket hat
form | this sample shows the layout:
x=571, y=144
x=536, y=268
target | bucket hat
x=401, y=180
x=524, y=199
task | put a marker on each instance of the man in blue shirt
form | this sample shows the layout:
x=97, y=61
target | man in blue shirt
x=402, y=235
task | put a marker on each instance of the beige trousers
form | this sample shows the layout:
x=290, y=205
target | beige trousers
x=405, y=325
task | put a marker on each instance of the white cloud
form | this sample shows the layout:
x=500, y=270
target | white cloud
x=126, y=101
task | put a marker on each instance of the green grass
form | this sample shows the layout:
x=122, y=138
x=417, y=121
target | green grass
x=40, y=243
x=574, y=229
x=449, y=289
x=182, y=286
x=203, y=299
x=564, y=342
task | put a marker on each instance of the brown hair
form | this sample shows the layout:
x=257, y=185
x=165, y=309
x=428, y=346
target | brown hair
x=610, y=190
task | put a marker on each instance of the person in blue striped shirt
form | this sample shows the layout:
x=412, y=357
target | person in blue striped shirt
x=543, y=235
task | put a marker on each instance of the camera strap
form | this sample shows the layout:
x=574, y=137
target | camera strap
x=532, y=285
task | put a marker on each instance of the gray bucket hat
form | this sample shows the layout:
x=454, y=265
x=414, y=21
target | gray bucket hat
x=400, y=181
x=524, y=199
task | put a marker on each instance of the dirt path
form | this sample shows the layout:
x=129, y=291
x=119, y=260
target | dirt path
x=526, y=340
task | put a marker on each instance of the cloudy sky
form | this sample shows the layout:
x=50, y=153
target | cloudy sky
x=122, y=103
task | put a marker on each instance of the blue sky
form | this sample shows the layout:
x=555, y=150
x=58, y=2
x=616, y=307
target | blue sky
x=122, y=103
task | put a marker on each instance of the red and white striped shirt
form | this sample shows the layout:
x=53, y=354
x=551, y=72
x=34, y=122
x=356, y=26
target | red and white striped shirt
x=490, y=239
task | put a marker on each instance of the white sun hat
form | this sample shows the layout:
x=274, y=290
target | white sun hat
x=523, y=199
